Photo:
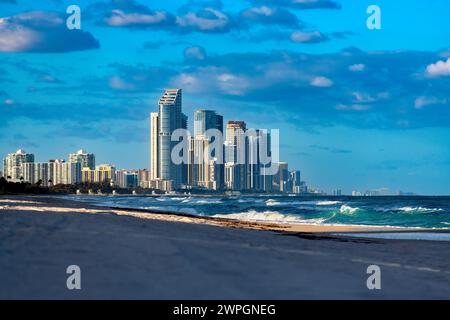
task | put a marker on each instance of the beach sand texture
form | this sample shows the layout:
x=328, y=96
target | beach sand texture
x=131, y=254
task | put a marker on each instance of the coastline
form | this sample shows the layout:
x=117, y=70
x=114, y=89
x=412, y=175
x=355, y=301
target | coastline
x=59, y=204
x=135, y=255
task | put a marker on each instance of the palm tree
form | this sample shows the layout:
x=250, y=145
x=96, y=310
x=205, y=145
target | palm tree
x=8, y=178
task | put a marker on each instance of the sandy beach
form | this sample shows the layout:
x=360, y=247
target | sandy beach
x=135, y=254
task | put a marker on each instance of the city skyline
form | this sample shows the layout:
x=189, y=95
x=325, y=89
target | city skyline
x=169, y=98
x=235, y=159
x=357, y=109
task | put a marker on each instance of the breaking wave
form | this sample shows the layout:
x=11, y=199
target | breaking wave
x=269, y=216
x=348, y=210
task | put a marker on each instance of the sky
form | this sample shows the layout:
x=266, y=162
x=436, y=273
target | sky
x=357, y=109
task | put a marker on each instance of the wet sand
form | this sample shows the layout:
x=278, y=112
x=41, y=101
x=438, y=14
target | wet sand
x=132, y=254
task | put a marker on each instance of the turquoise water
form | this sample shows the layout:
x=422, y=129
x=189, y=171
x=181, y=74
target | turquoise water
x=425, y=212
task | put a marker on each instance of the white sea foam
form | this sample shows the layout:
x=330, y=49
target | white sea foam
x=347, y=209
x=419, y=209
x=269, y=216
x=206, y=201
x=272, y=202
x=328, y=203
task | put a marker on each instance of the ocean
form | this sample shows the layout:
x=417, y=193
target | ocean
x=408, y=211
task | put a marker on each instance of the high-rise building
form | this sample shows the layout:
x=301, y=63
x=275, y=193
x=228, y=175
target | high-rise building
x=131, y=178
x=236, y=156
x=207, y=165
x=62, y=172
x=143, y=177
x=205, y=120
x=154, y=146
x=87, y=160
x=295, y=181
x=101, y=173
x=170, y=118
x=12, y=164
x=281, y=179
x=34, y=172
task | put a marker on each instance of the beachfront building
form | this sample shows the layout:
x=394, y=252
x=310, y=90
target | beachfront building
x=127, y=178
x=236, y=156
x=154, y=145
x=12, y=164
x=281, y=179
x=101, y=173
x=34, y=172
x=259, y=178
x=62, y=172
x=206, y=169
x=87, y=160
x=168, y=119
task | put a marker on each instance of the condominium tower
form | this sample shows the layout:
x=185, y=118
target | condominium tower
x=168, y=119
x=12, y=164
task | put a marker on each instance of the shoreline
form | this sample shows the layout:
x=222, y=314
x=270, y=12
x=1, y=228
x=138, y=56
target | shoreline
x=56, y=204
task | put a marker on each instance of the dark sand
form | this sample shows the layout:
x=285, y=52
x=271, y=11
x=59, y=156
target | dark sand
x=131, y=255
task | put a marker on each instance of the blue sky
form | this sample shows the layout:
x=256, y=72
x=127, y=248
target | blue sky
x=357, y=109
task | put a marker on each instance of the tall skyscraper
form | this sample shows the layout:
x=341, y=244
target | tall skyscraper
x=205, y=120
x=236, y=145
x=12, y=164
x=208, y=163
x=87, y=160
x=154, y=145
x=282, y=177
x=170, y=118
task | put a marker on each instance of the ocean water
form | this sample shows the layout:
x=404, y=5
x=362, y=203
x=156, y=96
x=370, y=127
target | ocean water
x=412, y=212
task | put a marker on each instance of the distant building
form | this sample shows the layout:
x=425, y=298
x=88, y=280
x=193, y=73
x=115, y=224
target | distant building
x=296, y=181
x=154, y=145
x=236, y=156
x=168, y=119
x=87, y=160
x=127, y=178
x=205, y=168
x=62, y=172
x=281, y=179
x=101, y=173
x=12, y=164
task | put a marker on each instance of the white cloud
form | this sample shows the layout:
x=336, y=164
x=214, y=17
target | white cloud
x=357, y=67
x=440, y=68
x=196, y=52
x=41, y=31
x=424, y=101
x=8, y=102
x=121, y=19
x=321, y=82
x=211, y=21
x=308, y=37
x=352, y=107
x=118, y=83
